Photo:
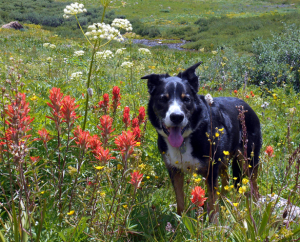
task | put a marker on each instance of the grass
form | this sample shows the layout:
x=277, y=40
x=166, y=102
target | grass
x=60, y=191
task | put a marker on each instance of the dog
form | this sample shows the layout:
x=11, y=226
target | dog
x=187, y=124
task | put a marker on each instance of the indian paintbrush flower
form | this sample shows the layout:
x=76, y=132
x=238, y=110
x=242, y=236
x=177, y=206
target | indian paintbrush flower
x=198, y=196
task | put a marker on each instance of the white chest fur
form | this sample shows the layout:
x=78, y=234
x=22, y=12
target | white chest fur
x=182, y=160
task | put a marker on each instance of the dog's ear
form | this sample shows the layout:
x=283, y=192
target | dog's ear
x=153, y=81
x=190, y=75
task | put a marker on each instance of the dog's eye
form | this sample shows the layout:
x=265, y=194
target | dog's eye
x=186, y=99
x=164, y=98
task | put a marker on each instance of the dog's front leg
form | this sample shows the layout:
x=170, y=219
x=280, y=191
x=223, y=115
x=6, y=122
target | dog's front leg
x=177, y=178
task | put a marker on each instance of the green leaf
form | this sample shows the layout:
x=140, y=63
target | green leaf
x=189, y=224
x=265, y=219
x=2, y=239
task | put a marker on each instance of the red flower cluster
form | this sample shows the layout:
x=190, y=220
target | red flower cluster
x=116, y=98
x=136, y=179
x=135, y=123
x=247, y=96
x=18, y=125
x=68, y=110
x=126, y=117
x=82, y=138
x=269, y=151
x=252, y=94
x=44, y=136
x=141, y=116
x=125, y=143
x=198, y=196
x=106, y=128
x=63, y=108
x=102, y=155
x=104, y=105
x=220, y=89
x=94, y=142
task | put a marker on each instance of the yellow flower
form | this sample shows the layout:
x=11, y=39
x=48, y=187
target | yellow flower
x=119, y=167
x=99, y=167
x=72, y=170
x=148, y=177
x=275, y=96
x=242, y=189
x=226, y=187
x=218, y=193
x=245, y=181
x=250, y=166
x=156, y=177
x=273, y=194
x=198, y=180
x=217, y=135
x=125, y=206
x=235, y=178
x=221, y=130
x=232, y=186
x=163, y=152
x=226, y=152
x=102, y=194
x=34, y=97
x=42, y=192
x=142, y=166
x=71, y=212
x=235, y=204
x=214, y=52
x=176, y=162
x=194, y=175
x=138, y=143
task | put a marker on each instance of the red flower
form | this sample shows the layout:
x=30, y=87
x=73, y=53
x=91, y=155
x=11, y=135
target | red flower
x=142, y=114
x=34, y=159
x=116, y=98
x=252, y=94
x=247, y=96
x=198, y=196
x=105, y=103
x=82, y=138
x=68, y=110
x=125, y=143
x=136, y=179
x=135, y=123
x=44, y=134
x=94, y=142
x=220, y=89
x=269, y=151
x=106, y=127
x=137, y=133
x=235, y=91
x=55, y=98
x=103, y=155
x=126, y=117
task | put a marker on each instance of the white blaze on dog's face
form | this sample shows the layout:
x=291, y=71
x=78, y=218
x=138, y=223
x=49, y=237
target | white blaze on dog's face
x=172, y=103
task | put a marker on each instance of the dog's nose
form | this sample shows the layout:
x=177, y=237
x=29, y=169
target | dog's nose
x=176, y=118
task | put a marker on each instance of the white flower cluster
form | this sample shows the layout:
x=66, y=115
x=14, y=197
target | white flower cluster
x=76, y=75
x=122, y=24
x=104, y=31
x=127, y=64
x=104, y=54
x=49, y=59
x=52, y=46
x=144, y=51
x=265, y=105
x=120, y=51
x=209, y=99
x=73, y=9
x=79, y=53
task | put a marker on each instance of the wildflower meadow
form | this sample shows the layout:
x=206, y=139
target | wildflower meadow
x=79, y=159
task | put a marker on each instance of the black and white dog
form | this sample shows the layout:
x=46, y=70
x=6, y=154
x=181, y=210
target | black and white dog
x=186, y=125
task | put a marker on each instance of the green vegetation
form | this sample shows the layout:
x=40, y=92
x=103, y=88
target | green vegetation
x=56, y=182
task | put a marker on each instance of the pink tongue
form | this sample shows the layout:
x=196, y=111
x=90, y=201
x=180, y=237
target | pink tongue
x=175, y=138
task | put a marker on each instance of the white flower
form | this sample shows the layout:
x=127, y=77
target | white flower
x=127, y=64
x=79, y=53
x=122, y=24
x=104, y=31
x=209, y=99
x=49, y=59
x=46, y=45
x=76, y=75
x=120, y=51
x=144, y=51
x=265, y=105
x=52, y=46
x=73, y=9
x=104, y=54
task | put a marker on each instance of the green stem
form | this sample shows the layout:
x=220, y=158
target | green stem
x=82, y=31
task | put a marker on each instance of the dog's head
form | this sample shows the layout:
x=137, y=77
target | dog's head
x=172, y=102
